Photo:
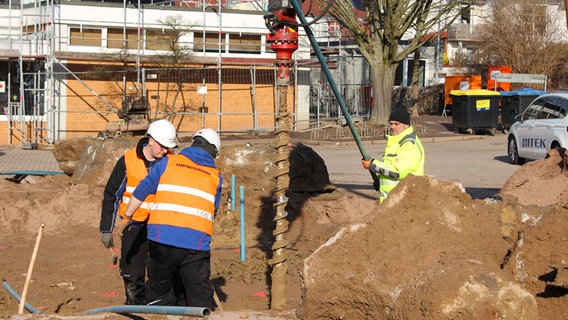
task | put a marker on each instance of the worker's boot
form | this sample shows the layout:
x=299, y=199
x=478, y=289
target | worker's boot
x=134, y=293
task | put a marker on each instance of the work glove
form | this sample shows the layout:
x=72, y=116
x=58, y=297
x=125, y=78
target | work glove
x=366, y=163
x=372, y=164
x=375, y=165
x=124, y=225
x=106, y=239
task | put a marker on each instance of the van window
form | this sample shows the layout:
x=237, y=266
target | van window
x=553, y=109
x=533, y=111
x=563, y=104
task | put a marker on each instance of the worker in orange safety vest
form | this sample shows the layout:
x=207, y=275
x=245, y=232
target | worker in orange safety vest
x=187, y=194
x=128, y=171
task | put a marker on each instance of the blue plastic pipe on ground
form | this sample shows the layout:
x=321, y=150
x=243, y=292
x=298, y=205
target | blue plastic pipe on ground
x=242, y=205
x=170, y=310
x=30, y=173
x=17, y=297
x=233, y=192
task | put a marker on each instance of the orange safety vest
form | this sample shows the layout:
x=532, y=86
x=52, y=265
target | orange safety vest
x=185, y=196
x=135, y=172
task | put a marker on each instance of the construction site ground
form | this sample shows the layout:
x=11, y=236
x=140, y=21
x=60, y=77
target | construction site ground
x=477, y=238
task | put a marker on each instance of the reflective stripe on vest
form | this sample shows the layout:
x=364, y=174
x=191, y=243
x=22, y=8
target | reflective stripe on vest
x=185, y=196
x=144, y=205
x=387, y=185
x=135, y=172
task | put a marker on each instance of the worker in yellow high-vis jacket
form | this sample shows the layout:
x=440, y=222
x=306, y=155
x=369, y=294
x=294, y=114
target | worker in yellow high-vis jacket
x=404, y=154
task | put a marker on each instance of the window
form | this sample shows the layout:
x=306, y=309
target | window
x=34, y=28
x=535, y=16
x=553, y=110
x=166, y=40
x=244, y=43
x=85, y=37
x=548, y=112
x=116, y=39
x=33, y=95
x=533, y=111
x=404, y=77
x=211, y=41
x=563, y=104
x=465, y=15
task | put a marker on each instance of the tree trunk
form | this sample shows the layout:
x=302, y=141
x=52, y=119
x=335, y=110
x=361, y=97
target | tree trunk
x=415, y=83
x=383, y=80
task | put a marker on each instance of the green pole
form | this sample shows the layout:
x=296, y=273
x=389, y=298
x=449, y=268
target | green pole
x=338, y=96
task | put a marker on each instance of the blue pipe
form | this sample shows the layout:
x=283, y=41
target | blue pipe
x=17, y=297
x=242, y=205
x=30, y=173
x=233, y=192
x=171, y=310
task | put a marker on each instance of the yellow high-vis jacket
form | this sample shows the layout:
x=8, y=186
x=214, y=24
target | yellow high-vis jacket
x=404, y=155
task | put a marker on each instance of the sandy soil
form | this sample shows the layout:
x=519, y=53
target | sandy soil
x=428, y=252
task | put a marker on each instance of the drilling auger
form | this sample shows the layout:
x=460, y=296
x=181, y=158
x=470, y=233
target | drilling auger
x=283, y=39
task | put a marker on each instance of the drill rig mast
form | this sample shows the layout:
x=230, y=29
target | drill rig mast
x=283, y=39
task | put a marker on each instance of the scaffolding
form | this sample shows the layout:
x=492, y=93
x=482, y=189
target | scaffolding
x=34, y=41
x=28, y=46
x=27, y=40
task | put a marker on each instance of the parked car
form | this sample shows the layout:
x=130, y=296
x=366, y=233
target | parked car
x=541, y=127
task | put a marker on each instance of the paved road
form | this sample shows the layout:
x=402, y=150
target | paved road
x=18, y=161
x=479, y=163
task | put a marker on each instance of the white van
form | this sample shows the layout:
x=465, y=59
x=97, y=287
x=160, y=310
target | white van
x=541, y=127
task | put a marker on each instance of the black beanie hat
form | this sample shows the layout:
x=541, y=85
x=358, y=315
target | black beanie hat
x=202, y=143
x=400, y=115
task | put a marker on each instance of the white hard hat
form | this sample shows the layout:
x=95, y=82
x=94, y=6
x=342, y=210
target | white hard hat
x=211, y=136
x=163, y=132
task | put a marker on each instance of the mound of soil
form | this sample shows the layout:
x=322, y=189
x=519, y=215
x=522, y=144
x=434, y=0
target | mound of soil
x=541, y=183
x=428, y=252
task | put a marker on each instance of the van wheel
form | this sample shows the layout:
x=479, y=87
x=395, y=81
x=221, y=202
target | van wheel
x=513, y=152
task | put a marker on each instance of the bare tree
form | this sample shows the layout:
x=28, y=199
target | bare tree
x=380, y=36
x=118, y=73
x=526, y=35
x=177, y=53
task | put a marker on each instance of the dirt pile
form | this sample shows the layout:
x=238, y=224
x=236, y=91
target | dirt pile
x=69, y=206
x=432, y=252
x=541, y=183
x=429, y=251
x=63, y=202
x=90, y=161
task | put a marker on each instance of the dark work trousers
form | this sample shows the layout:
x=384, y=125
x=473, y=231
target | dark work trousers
x=194, y=269
x=133, y=261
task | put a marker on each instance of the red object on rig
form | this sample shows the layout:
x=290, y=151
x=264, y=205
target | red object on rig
x=283, y=29
x=283, y=36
